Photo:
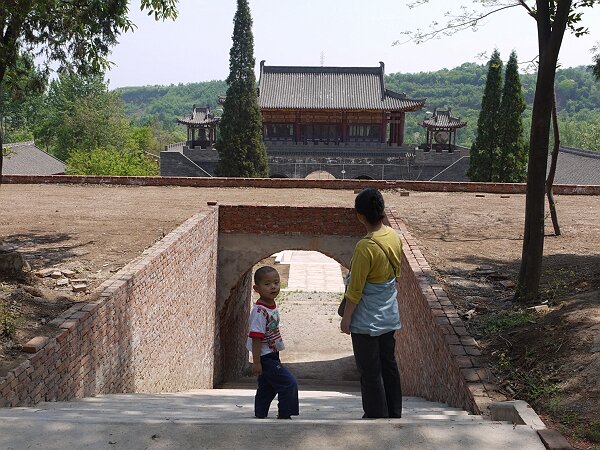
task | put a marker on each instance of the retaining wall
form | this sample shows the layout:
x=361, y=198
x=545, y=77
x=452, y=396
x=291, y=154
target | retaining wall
x=438, y=359
x=160, y=325
x=289, y=183
x=151, y=327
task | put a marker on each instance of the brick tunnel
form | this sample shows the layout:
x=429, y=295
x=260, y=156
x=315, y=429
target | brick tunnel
x=175, y=318
x=433, y=360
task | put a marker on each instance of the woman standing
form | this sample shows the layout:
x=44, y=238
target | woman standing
x=371, y=313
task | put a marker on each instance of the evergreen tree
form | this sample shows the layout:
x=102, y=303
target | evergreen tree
x=242, y=152
x=512, y=163
x=485, y=147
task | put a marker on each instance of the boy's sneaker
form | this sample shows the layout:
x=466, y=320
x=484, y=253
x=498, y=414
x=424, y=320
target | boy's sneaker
x=284, y=417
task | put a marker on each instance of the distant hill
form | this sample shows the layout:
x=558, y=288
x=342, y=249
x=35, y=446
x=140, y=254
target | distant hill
x=165, y=103
x=461, y=88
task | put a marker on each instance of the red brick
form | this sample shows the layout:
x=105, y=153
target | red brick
x=470, y=374
x=463, y=361
x=455, y=322
x=461, y=331
x=476, y=389
x=69, y=324
x=473, y=351
x=35, y=344
x=468, y=340
x=441, y=320
x=457, y=350
x=451, y=339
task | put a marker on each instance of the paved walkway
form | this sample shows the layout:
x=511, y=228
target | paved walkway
x=311, y=271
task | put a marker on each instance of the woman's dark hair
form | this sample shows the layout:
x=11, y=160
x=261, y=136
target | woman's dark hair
x=370, y=204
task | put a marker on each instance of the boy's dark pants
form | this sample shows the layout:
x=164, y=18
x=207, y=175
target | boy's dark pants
x=276, y=380
x=379, y=377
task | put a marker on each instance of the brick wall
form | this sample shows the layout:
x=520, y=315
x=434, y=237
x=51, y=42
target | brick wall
x=231, y=355
x=155, y=325
x=313, y=220
x=149, y=329
x=437, y=357
x=288, y=183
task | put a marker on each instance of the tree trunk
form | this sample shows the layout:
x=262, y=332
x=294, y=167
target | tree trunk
x=552, y=171
x=551, y=29
x=2, y=72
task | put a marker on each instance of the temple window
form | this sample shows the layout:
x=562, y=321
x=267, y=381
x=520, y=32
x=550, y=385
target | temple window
x=279, y=131
x=364, y=131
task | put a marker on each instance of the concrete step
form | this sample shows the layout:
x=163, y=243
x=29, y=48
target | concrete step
x=223, y=418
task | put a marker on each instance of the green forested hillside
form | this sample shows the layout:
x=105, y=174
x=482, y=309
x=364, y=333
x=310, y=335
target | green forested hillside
x=461, y=88
x=165, y=103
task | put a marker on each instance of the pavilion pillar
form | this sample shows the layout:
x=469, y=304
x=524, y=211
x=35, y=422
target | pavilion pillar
x=384, y=122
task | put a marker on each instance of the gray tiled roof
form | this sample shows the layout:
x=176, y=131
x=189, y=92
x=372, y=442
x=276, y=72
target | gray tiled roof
x=442, y=119
x=25, y=158
x=199, y=116
x=348, y=88
x=577, y=167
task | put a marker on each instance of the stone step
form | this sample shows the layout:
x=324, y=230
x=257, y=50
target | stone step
x=223, y=419
x=264, y=434
x=226, y=405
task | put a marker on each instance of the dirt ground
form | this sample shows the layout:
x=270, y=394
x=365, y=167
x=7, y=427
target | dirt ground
x=550, y=359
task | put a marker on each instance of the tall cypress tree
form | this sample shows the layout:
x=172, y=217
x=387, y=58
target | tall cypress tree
x=485, y=147
x=242, y=152
x=512, y=161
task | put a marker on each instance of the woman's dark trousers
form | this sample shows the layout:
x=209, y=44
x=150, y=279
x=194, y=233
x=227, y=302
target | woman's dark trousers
x=276, y=379
x=379, y=376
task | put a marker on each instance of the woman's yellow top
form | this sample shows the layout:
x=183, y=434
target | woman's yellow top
x=370, y=264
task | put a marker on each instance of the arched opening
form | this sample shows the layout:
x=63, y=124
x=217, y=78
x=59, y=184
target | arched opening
x=244, y=241
x=320, y=175
x=311, y=288
x=364, y=177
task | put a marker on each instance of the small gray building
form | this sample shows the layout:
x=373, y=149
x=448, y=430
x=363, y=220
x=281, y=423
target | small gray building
x=24, y=158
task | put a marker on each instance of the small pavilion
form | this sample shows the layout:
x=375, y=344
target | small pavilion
x=441, y=130
x=201, y=127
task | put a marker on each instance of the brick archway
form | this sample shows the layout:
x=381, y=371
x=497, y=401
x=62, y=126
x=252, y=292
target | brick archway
x=248, y=234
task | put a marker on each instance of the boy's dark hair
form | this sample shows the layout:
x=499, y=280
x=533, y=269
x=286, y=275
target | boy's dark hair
x=370, y=203
x=261, y=272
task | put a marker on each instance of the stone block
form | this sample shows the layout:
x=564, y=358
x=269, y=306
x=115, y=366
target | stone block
x=553, y=440
x=79, y=287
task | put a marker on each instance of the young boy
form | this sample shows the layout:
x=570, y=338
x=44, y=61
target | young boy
x=265, y=343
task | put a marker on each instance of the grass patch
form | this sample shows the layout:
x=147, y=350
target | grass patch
x=592, y=432
x=507, y=320
x=531, y=385
x=10, y=320
x=556, y=283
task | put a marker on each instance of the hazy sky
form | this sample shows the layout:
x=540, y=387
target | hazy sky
x=196, y=46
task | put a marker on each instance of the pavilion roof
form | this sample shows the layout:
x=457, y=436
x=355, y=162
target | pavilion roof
x=443, y=119
x=199, y=116
x=348, y=88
